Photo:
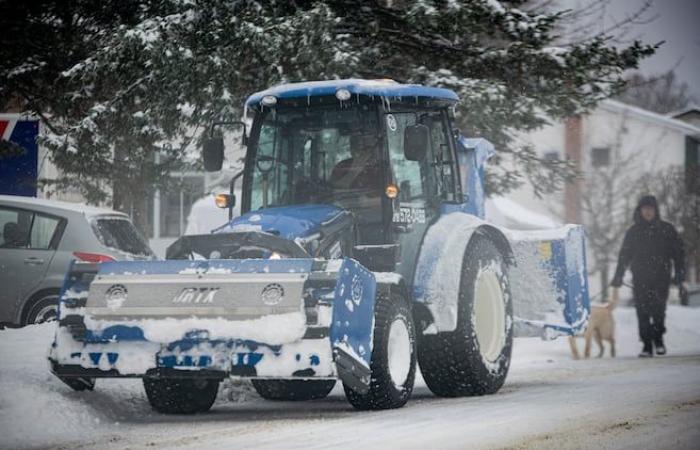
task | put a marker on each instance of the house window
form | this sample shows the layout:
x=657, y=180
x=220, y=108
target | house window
x=600, y=156
x=551, y=155
x=174, y=205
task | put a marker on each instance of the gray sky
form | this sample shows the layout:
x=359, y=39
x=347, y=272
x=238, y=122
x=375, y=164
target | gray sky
x=675, y=21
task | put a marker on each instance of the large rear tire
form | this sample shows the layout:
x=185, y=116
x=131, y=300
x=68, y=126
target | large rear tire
x=393, y=363
x=293, y=390
x=474, y=359
x=181, y=396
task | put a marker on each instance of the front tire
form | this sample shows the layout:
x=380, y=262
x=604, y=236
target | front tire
x=393, y=363
x=181, y=396
x=293, y=390
x=474, y=359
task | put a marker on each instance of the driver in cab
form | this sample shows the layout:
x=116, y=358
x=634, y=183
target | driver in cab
x=362, y=170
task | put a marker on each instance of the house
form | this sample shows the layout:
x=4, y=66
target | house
x=634, y=149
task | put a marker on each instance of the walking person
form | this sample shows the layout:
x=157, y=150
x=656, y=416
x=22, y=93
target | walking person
x=651, y=246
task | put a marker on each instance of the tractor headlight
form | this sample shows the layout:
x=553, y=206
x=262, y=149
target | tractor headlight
x=342, y=94
x=269, y=100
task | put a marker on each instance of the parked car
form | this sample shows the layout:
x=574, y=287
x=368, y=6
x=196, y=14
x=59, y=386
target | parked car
x=38, y=240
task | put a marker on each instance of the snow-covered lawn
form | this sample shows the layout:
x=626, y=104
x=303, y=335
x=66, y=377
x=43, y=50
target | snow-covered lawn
x=547, y=397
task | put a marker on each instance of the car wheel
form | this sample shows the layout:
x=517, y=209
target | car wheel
x=43, y=310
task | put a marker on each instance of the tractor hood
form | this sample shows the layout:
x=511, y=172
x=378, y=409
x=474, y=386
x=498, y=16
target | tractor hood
x=289, y=222
x=292, y=231
x=313, y=230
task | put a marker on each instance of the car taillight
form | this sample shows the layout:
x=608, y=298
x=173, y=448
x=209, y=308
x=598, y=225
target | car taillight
x=93, y=257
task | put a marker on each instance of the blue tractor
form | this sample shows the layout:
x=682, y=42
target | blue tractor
x=362, y=253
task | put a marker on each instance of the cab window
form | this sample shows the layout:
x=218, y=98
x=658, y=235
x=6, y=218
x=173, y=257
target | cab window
x=441, y=151
x=409, y=176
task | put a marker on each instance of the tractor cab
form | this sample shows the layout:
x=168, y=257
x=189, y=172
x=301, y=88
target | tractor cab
x=380, y=150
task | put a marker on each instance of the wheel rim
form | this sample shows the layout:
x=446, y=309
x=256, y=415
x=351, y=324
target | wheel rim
x=489, y=315
x=46, y=314
x=399, y=352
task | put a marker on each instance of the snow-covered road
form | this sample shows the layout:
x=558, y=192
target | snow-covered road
x=549, y=401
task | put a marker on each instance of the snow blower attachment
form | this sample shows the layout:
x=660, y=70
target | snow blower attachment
x=262, y=318
x=550, y=284
x=362, y=251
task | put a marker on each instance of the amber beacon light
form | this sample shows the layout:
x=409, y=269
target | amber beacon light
x=391, y=191
x=223, y=200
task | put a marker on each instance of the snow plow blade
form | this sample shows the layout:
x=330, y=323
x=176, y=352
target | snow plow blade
x=282, y=319
x=549, y=281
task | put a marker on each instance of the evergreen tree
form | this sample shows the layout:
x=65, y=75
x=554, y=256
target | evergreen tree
x=165, y=75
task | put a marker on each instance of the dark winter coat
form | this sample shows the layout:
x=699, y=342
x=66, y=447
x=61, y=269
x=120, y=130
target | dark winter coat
x=649, y=249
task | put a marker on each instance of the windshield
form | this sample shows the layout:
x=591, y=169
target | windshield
x=320, y=155
x=120, y=234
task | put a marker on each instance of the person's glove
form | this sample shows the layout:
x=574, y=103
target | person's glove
x=616, y=282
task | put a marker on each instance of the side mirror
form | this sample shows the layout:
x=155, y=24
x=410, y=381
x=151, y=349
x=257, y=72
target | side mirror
x=213, y=149
x=415, y=142
x=213, y=154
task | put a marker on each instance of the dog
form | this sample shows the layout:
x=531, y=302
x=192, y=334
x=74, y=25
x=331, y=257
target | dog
x=601, y=326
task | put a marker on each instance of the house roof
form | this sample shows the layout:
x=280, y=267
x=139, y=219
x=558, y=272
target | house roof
x=650, y=116
x=684, y=111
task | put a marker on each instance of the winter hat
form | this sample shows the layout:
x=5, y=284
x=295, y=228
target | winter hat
x=648, y=200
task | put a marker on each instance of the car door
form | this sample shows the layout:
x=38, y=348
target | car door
x=27, y=246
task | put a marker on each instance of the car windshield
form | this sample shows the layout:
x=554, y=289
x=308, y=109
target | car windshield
x=120, y=234
x=320, y=155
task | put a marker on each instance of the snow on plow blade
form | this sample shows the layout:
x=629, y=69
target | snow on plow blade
x=549, y=282
x=288, y=318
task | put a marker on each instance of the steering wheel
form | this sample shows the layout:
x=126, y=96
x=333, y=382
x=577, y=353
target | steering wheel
x=313, y=189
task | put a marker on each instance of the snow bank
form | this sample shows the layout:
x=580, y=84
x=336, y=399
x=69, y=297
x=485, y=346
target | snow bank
x=37, y=410
x=682, y=338
x=507, y=213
